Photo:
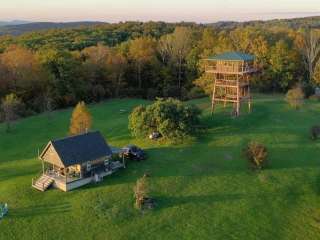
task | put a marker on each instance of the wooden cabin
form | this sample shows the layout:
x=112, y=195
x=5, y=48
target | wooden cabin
x=231, y=73
x=75, y=161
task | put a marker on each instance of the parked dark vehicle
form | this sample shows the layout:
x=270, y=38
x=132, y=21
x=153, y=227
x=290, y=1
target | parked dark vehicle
x=133, y=152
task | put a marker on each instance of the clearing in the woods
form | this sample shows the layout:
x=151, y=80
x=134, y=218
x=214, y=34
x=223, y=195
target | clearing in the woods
x=204, y=189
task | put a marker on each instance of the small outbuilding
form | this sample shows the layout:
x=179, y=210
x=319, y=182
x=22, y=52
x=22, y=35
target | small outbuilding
x=75, y=161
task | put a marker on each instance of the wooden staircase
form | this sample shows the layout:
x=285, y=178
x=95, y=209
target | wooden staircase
x=43, y=183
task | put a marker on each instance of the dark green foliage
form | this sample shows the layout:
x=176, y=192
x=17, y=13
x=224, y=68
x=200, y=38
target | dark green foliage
x=195, y=92
x=256, y=153
x=11, y=108
x=145, y=60
x=170, y=117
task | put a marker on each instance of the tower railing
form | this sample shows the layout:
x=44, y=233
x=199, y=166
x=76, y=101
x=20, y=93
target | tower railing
x=228, y=69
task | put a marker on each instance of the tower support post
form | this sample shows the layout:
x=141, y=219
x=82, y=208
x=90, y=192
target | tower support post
x=231, y=73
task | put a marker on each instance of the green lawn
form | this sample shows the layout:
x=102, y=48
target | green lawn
x=204, y=189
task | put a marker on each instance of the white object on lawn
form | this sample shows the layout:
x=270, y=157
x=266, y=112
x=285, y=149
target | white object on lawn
x=3, y=210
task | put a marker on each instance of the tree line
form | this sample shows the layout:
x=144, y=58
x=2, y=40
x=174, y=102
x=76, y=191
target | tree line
x=57, y=68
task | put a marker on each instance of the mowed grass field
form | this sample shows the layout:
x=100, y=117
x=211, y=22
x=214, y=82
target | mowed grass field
x=204, y=189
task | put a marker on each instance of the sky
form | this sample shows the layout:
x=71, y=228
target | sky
x=165, y=10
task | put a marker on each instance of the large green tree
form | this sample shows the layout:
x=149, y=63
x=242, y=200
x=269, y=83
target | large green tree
x=11, y=107
x=308, y=42
x=176, y=47
x=142, y=50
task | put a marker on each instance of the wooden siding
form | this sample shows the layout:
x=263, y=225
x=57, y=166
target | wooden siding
x=50, y=155
x=73, y=185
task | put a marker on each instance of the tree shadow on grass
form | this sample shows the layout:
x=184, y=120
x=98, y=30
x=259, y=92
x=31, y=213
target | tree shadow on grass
x=259, y=116
x=167, y=202
x=9, y=173
x=38, y=210
x=316, y=185
x=201, y=160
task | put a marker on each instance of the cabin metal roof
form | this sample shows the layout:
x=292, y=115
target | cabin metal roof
x=81, y=148
x=232, y=56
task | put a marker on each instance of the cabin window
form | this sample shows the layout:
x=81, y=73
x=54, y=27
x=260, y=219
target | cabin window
x=88, y=166
x=106, y=162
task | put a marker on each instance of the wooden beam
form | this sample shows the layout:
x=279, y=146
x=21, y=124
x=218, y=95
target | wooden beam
x=231, y=84
x=238, y=97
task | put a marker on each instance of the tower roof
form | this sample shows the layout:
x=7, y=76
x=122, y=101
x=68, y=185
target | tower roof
x=232, y=56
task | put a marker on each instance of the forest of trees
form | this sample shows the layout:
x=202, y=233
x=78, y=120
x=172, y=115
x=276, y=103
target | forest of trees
x=53, y=69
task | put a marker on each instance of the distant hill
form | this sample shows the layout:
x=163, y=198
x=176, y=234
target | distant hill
x=14, y=22
x=21, y=28
x=292, y=23
x=18, y=27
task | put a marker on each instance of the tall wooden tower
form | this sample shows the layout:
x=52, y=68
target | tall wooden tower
x=231, y=75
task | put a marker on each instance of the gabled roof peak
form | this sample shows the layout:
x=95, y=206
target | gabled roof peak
x=80, y=148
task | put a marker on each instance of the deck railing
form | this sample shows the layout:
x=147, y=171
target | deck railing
x=229, y=69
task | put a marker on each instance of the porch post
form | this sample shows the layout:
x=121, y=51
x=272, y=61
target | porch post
x=123, y=161
x=81, y=171
x=42, y=166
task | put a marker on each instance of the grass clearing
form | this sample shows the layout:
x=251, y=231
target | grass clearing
x=204, y=188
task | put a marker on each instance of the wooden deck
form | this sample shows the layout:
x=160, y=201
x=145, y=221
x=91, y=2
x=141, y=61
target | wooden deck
x=67, y=184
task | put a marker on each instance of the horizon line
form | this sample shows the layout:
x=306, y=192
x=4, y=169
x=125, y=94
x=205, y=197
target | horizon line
x=308, y=15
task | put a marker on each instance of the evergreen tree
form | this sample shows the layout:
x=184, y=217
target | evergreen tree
x=81, y=120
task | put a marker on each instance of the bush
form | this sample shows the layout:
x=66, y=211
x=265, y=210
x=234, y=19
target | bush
x=308, y=89
x=98, y=92
x=152, y=93
x=170, y=117
x=256, y=154
x=12, y=108
x=315, y=132
x=295, y=97
x=132, y=92
x=195, y=93
x=172, y=92
x=141, y=191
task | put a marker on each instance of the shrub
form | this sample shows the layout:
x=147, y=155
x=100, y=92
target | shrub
x=256, y=154
x=171, y=118
x=152, y=93
x=11, y=107
x=141, y=191
x=295, y=97
x=98, y=92
x=315, y=132
x=196, y=92
x=308, y=89
x=172, y=92
x=132, y=92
